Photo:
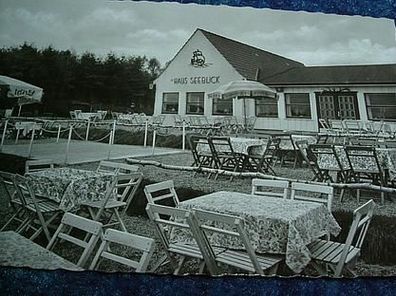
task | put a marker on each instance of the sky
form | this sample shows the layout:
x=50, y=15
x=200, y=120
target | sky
x=160, y=29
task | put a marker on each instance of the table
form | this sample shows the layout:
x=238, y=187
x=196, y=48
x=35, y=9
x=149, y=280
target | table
x=273, y=225
x=18, y=251
x=69, y=187
x=26, y=127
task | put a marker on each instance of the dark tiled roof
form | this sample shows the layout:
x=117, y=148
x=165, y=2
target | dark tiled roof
x=246, y=59
x=346, y=74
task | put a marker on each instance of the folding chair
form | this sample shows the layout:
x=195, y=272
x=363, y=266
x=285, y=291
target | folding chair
x=132, y=241
x=340, y=257
x=38, y=165
x=309, y=159
x=162, y=191
x=308, y=190
x=224, y=155
x=180, y=222
x=116, y=167
x=44, y=210
x=258, y=186
x=293, y=151
x=70, y=221
x=365, y=165
x=9, y=189
x=232, y=228
x=105, y=209
x=333, y=163
x=264, y=163
x=202, y=159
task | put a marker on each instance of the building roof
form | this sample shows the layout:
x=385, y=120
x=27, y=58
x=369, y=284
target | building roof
x=344, y=74
x=247, y=60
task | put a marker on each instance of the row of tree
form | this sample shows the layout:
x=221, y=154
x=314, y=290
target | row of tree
x=86, y=82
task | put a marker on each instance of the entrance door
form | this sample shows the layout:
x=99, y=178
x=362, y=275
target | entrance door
x=337, y=106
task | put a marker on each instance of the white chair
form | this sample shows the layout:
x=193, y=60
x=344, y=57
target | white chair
x=125, y=188
x=42, y=210
x=38, y=165
x=178, y=220
x=116, y=167
x=311, y=191
x=132, y=241
x=266, y=187
x=161, y=191
x=342, y=257
x=70, y=221
x=232, y=228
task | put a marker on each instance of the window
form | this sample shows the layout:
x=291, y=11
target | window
x=195, y=103
x=170, y=103
x=297, y=105
x=222, y=107
x=381, y=106
x=267, y=107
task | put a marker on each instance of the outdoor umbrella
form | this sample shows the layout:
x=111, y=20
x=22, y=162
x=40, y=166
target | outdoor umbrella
x=22, y=92
x=243, y=89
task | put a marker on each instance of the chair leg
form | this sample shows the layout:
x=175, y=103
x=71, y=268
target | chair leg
x=202, y=267
x=179, y=266
x=120, y=220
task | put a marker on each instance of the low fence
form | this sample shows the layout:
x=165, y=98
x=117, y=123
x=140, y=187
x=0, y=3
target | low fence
x=87, y=130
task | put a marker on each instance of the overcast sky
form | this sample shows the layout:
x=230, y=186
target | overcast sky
x=160, y=29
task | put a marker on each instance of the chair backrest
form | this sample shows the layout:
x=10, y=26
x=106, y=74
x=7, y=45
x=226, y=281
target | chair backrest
x=193, y=141
x=127, y=185
x=231, y=227
x=161, y=191
x=357, y=232
x=220, y=145
x=337, y=125
x=352, y=125
x=324, y=124
x=327, y=152
x=38, y=165
x=116, y=167
x=169, y=220
x=272, y=147
x=135, y=242
x=250, y=123
x=259, y=186
x=69, y=221
x=310, y=192
x=363, y=159
x=7, y=183
x=24, y=192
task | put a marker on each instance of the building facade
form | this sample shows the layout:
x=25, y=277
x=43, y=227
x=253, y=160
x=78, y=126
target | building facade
x=305, y=94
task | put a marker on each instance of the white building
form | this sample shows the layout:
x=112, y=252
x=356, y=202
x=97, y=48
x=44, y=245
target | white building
x=305, y=94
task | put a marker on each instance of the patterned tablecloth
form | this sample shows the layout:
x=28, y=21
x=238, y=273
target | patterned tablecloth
x=70, y=187
x=19, y=251
x=386, y=159
x=274, y=225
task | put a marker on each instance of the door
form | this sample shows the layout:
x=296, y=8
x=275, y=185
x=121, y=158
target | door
x=337, y=106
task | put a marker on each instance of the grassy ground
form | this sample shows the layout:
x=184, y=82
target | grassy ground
x=188, y=186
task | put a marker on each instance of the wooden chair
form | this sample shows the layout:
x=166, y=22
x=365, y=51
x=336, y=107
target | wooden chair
x=210, y=223
x=43, y=210
x=38, y=165
x=340, y=257
x=264, y=163
x=165, y=218
x=162, y=191
x=259, y=184
x=125, y=188
x=292, y=152
x=224, y=156
x=201, y=159
x=365, y=165
x=328, y=151
x=309, y=159
x=309, y=190
x=132, y=241
x=14, y=202
x=70, y=221
x=116, y=167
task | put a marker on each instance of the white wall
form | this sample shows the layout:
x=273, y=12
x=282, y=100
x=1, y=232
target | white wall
x=181, y=67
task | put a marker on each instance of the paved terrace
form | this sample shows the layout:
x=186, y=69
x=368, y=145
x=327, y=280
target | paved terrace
x=81, y=151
